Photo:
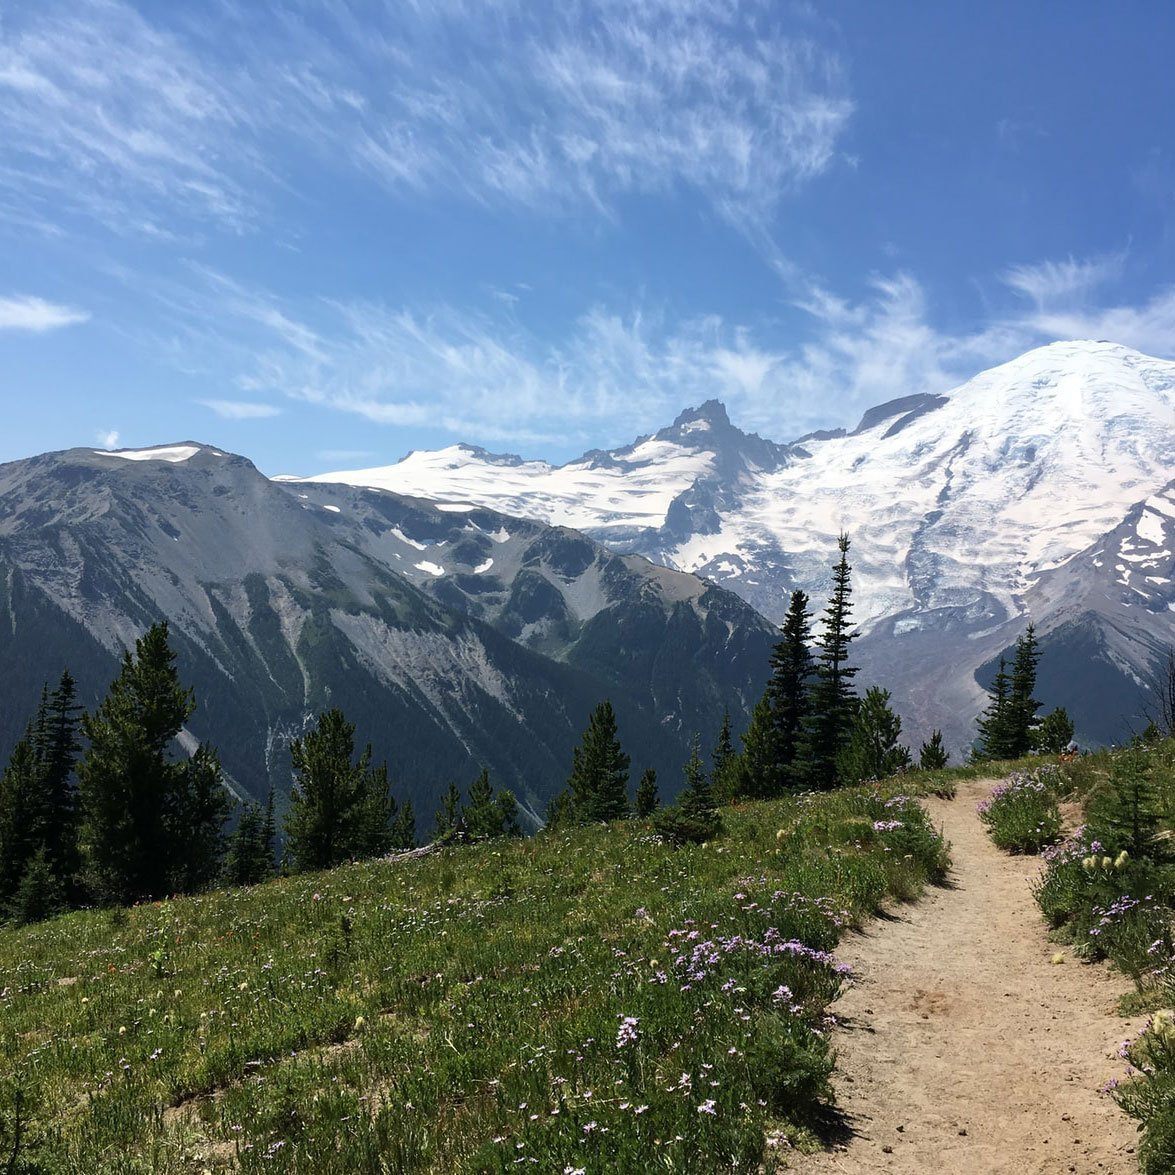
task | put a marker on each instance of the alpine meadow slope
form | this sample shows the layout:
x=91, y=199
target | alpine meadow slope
x=1038, y=489
x=453, y=639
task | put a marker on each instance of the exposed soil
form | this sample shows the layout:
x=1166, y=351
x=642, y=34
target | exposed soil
x=965, y=1048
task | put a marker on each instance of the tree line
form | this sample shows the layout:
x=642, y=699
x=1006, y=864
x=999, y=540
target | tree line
x=105, y=808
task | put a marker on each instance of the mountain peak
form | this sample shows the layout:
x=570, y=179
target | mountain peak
x=712, y=413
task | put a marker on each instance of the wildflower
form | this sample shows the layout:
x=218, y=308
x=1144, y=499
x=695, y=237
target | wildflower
x=1121, y=859
x=360, y=1023
x=707, y=1107
x=627, y=1033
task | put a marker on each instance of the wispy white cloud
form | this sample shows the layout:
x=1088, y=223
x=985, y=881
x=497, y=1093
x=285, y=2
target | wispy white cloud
x=1048, y=283
x=108, y=438
x=21, y=312
x=483, y=376
x=154, y=124
x=241, y=409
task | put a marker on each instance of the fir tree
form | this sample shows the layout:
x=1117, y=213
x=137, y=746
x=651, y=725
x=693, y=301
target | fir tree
x=1054, y=733
x=404, y=828
x=873, y=750
x=507, y=807
x=21, y=817
x=694, y=818
x=933, y=755
x=138, y=802
x=40, y=893
x=647, y=799
x=788, y=692
x=58, y=746
x=996, y=736
x=1126, y=814
x=830, y=718
x=339, y=809
x=244, y=861
x=1023, y=706
x=724, y=762
x=449, y=822
x=483, y=816
x=598, y=785
x=756, y=774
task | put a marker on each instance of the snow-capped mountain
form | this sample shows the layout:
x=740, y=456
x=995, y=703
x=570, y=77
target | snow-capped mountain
x=454, y=637
x=964, y=509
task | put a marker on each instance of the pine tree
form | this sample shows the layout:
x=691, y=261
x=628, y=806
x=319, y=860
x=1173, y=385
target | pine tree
x=483, y=817
x=58, y=746
x=933, y=755
x=449, y=822
x=38, y=810
x=339, y=808
x=507, y=807
x=21, y=817
x=755, y=773
x=694, y=818
x=789, y=692
x=1126, y=814
x=647, y=799
x=197, y=808
x=873, y=750
x=1022, y=705
x=244, y=858
x=1054, y=733
x=598, y=785
x=830, y=718
x=996, y=736
x=40, y=893
x=376, y=815
x=404, y=828
x=724, y=762
x=136, y=799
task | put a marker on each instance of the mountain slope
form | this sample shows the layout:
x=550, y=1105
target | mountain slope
x=963, y=507
x=285, y=599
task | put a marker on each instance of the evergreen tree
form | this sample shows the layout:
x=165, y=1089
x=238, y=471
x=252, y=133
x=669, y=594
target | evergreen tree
x=694, y=818
x=724, y=762
x=873, y=750
x=58, y=746
x=830, y=718
x=38, y=810
x=647, y=799
x=339, y=809
x=933, y=755
x=21, y=817
x=1054, y=733
x=40, y=893
x=481, y=812
x=138, y=803
x=598, y=785
x=1126, y=814
x=377, y=814
x=508, y=813
x=448, y=819
x=789, y=692
x=404, y=828
x=243, y=859
x=756, y=769
x=996, y=736
x=1023, y=706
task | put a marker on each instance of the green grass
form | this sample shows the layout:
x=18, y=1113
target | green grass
x=463, y=1011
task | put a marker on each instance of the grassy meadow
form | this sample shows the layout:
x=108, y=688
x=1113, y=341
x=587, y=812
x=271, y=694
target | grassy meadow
x=593, y=1001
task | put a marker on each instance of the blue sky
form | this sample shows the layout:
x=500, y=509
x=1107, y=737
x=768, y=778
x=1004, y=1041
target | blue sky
x=325, y=233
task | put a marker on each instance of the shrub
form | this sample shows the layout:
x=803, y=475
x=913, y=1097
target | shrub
x=1021, y=814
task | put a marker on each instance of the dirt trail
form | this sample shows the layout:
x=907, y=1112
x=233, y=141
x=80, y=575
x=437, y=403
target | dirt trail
x=965, y=1049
